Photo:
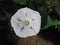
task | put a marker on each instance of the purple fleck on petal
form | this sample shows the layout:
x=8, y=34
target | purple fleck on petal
x=31, y=27
x=33, y=19
x=19, y=20
x=26, y=15
x=22, y=28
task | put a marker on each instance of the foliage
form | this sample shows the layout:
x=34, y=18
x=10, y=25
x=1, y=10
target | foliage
x=22, y=2
x=49, y=10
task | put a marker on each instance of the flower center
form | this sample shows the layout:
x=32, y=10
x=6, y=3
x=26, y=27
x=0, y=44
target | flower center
x=26, y=22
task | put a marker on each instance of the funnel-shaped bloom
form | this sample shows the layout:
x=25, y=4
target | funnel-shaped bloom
x=26, y=22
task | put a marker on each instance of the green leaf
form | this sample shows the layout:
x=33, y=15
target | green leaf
x=21, y=2
x=48, y=2
x=58, y=10
x=58, y=23
x=43, y=16
x=55, y=4
x=50, y=22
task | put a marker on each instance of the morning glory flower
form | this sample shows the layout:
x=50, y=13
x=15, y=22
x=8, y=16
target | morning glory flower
x=26, y=22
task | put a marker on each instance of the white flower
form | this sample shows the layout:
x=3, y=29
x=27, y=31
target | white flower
x=26, y=22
